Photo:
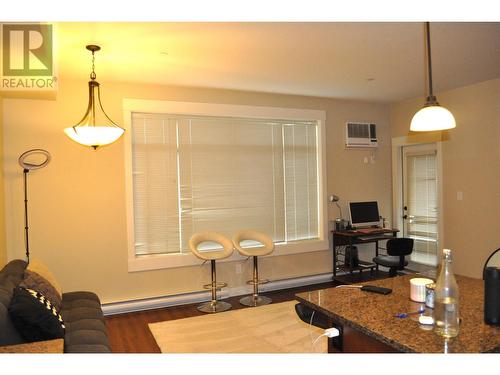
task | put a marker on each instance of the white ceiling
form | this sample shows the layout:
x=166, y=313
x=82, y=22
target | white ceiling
x=364, y=61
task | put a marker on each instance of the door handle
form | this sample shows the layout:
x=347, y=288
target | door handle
x=405, y=217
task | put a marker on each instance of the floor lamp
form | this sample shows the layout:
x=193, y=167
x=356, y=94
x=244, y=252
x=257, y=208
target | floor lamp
x=31, y=160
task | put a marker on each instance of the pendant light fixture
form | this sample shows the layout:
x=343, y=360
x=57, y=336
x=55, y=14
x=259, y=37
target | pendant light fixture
x=432, y=116
x=95, y=129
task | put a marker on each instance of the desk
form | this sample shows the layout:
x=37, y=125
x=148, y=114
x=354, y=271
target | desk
x=353, y=237
x=367, y=322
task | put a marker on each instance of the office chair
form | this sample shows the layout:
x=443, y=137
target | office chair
x=309, y=316
x=396, y=247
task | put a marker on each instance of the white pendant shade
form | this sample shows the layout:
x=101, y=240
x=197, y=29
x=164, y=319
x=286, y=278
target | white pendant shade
x=433, y=117
x=94, y=136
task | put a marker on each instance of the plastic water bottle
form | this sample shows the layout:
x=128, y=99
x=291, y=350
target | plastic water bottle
x=446, y=306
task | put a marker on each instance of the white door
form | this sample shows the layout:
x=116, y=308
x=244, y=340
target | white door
x=420, y=201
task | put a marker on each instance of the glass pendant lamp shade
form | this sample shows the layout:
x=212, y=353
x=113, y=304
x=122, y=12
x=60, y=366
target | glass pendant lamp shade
x=94, y=136
x=432, y=116
x=95, y=129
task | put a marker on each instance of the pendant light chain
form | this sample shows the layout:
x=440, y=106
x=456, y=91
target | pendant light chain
x=92, y=75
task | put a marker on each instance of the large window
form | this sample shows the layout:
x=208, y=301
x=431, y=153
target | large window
x=191, y=173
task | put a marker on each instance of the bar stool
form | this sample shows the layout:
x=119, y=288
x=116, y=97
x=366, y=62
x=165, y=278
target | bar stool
x=212, y=306
x=267, y=248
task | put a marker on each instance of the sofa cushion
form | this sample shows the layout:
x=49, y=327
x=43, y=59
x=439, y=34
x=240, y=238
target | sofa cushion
x=34, y=317
x=85, y=337
x=10, y=276
x=79, y=313
x=85, y=328
x=37, y=266
x=81, y=305
x=93, y=324
x=68, y=305
x=14, y=267
x=8, y=333
x=6, y=290
x=34, y=281
x=72, y=296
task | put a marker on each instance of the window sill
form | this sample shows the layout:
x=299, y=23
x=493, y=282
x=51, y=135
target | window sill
x=162, y=261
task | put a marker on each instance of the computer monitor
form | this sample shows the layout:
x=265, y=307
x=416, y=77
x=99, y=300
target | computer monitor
x=364, y=214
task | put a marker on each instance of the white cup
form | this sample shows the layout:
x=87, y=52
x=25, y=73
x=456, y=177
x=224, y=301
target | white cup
x=417, y=289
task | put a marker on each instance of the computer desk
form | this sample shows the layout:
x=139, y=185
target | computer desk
x=353, y=237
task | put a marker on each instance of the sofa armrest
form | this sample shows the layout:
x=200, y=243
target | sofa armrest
x=49, y=346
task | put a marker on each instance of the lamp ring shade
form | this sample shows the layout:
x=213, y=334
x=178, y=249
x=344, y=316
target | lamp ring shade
x=34, y=159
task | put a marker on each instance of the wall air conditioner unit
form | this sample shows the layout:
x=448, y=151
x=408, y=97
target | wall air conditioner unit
x=358, y=135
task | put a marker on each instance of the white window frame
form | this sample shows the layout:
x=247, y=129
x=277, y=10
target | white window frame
x=160, y=261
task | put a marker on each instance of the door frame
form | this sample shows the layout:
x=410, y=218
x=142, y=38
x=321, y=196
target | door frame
x=397, y=178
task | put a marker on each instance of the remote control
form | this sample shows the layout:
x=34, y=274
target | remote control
x=376, y=289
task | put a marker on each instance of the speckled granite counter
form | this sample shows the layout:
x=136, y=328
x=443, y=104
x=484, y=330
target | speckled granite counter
x=374, y=316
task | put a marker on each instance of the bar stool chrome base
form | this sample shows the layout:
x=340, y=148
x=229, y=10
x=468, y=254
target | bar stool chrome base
x=254, y=301
x=214, y=306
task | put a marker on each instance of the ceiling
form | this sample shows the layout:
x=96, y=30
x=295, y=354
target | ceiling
x=381, y=62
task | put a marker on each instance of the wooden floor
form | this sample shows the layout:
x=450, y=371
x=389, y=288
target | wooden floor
x=129, y=333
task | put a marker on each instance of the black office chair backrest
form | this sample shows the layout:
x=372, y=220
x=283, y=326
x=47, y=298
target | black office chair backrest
x=399, y=246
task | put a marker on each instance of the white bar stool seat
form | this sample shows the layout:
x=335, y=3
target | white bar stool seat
x=214, y=305
x=254, y=252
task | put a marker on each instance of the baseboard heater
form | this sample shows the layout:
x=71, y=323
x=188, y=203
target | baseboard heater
x=122, y=307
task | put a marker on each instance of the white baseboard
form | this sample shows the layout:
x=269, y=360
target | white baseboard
x=202, y=296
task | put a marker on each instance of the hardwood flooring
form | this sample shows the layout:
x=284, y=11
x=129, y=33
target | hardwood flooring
x=129, y=333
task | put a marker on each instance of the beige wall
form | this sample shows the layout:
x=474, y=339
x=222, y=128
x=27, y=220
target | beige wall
x=77, y=203
x=3, y=248
x=471, y=164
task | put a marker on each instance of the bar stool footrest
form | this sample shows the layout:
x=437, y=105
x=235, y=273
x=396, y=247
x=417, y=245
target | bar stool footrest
x=259, y=282
x=218, y=286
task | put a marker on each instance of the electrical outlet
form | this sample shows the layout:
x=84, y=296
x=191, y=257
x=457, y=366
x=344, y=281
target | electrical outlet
x=238, y=268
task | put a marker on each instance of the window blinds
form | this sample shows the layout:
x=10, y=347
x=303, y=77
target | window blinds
x=198, y=173
x=155, y=193
x=422, y=200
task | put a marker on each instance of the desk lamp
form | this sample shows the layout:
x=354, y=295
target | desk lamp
x=335, y=199
x=340, y=223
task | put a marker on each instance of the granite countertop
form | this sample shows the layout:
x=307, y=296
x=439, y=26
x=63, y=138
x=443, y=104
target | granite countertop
x=374, y=315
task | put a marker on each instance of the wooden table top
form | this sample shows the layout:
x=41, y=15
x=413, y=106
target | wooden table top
x=374, y=315
x=50, y=346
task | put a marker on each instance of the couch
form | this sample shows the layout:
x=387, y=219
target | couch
x=85, y=330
